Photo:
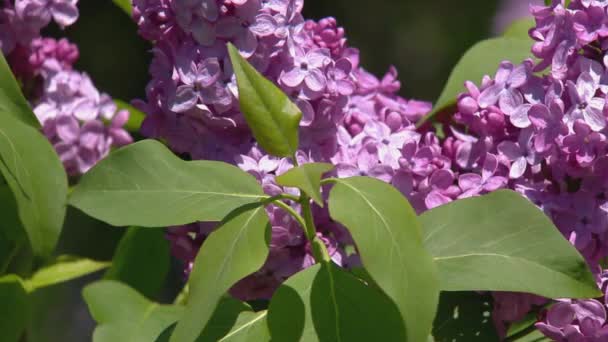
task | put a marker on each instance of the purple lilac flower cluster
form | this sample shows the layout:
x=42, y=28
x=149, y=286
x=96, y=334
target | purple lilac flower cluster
x=22, y=20
x=81, y=123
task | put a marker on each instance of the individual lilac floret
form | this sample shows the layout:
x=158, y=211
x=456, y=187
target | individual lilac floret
x=575, y=320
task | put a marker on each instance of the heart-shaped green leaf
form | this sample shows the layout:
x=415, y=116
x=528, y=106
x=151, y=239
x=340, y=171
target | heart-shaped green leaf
x=124, y=315
x=37, y=179
x=236, y=249
x=495, y=242
x=306, y=178
x=272, y=117
x=14, y=309
x=142, y=260
x=146, y=185
x=480, y=60
x=387, y=234
x=326, y=303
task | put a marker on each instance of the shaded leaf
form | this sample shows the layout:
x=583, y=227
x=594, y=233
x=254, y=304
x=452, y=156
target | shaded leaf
x=146, y=185
x=495, y=242
x=387, y=234
x=225, y=317
x=12, y=101
x=125, y=5
x=65, y=268
x=481, y=59
x=236, y=249
x=272, y=117
x=37, y=179
x=464, y=317
x=306, y=178
x=142, y=260
x=326, y=303
x=14, y=309
x=124, y=315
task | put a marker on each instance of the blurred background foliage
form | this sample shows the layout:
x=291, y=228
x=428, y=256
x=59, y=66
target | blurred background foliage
x=423, y=39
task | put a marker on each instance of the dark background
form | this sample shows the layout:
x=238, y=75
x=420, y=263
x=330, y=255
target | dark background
x=423, y=39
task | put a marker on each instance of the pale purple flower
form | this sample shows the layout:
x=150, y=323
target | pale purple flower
x=548, y=124
x=585, y=105
x=508, y=78
x=520, y=154
x=585, y=145
x=473, y=184
x=308, y=70
x=378, y=139
x=197, y=80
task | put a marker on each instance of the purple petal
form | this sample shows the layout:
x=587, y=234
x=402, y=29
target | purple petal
x=184, y=99
x=64, y=13
x=594, y=117
x=510, y=150
x=68, y=128
x=560, y=315
x=490, y=95
x=520, y=117
x=315, y=80
x=293, y=78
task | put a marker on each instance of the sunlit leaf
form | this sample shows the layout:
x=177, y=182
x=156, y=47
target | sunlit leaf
x=272, y=117
x=387, y=234
x=497, y=241
x=146, y=185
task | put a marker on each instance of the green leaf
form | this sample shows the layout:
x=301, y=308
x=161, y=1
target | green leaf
x=464, y=317
x=124, y=315
x=326, y=303
x=250, y=326
x=387, y=234
x=519, y=29
x=64, y=268
x=236, y=249
x=480, y=60
x=37, y=179
x=495, y=242
x=272, y=117
x=14, y=309
x=142, y=260
x=125, y=5
x=306, y=178
x=12, y=101
x=10, y=226
x=136, y=117
x=224, y=318
x=532, y=336
x=146, y=185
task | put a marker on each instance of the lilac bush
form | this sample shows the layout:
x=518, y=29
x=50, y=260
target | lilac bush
x=537, y=127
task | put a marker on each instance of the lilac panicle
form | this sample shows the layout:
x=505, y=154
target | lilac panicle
x=81, y=123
